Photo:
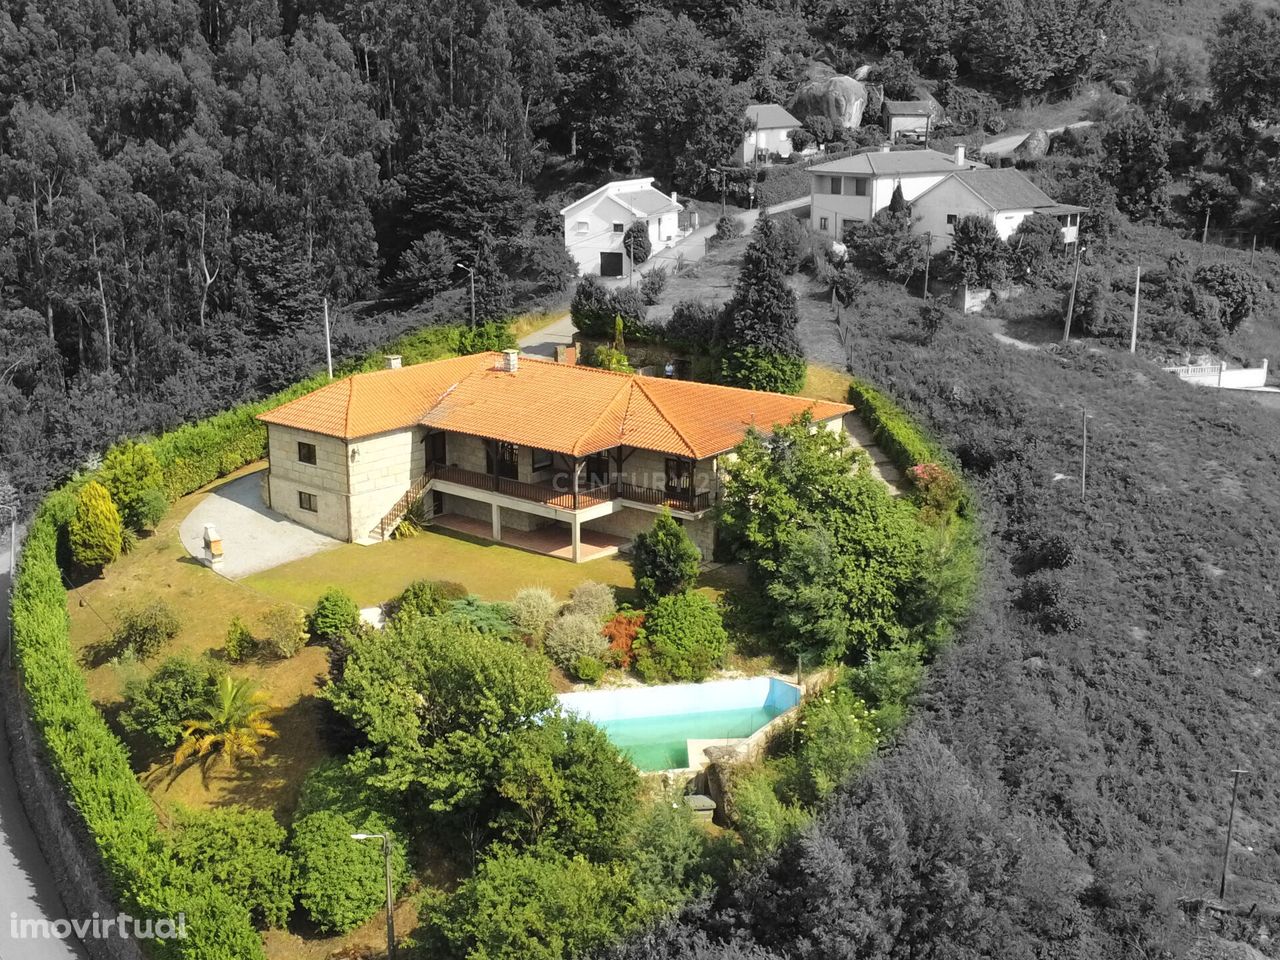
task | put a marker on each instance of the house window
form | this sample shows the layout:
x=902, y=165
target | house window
x=859, y=186
x=822, y=224
x=541, y=459
x=835, y=186
x=582, y=227
x=306, y=452
x=597, y=472
x=951, y=219
x=307, y=502
x=617, y=227
x=508, y=458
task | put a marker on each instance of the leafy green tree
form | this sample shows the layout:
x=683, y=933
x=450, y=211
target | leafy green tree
x=1137, y=162
x=439, y=704
x=897, y=75
x=837, y=556
x=683, y=638
x=1244, y=67
x=95, y=530
x=664, y=559
x=977, y=256
x=131, y=473
x=565, y=784
x=1236, y=288
x=242, y=851
x=887, y=245
x=1034, y=244
x=933, y=316
x=538, y=905
x=1212, y=194
x=635, y=241
x=157, y=705
x=341, y=880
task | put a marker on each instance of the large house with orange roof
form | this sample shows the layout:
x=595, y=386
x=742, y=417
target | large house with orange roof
x=571, y=460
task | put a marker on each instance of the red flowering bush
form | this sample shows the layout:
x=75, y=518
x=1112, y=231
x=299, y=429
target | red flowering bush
x=938, y=492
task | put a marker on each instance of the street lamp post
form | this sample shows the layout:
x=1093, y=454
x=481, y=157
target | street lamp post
x=473, y=291
x=391, y=902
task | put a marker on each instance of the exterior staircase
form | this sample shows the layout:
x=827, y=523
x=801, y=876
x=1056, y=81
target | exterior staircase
x=402, y=506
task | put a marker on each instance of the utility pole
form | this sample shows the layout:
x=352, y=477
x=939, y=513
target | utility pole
x=1231, y=823
x=1254, y=252
x=1071, y=300
x=473, y=292
x=1204, y=234
x=1133, y=332
x=328, y=347
x=1084, y=448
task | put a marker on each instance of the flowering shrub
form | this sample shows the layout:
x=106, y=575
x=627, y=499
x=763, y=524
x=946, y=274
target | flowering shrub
x=938, y=492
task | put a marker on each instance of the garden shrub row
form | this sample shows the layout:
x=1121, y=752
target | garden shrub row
x=897, y=434
x=87, y=757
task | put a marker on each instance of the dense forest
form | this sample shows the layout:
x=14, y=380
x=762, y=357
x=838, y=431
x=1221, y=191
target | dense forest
x=185, y=181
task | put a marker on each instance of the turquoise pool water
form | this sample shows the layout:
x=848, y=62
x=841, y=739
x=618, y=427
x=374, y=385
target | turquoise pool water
x=660, y=743
x=653, y=724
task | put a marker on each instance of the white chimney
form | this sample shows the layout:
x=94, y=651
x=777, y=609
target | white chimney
x=959, y=154
x=510, y=360
x=885, y=148
x=674, y=197
x=393, y=360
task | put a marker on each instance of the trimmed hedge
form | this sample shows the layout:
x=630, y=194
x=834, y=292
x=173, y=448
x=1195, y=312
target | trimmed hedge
x=895, y=432
x=88, y=758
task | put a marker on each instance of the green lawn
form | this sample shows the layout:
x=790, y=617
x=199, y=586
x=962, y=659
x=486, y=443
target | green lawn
x=377, y=573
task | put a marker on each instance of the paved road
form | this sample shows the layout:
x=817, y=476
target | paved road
x=27, y=887
x=1000, y=146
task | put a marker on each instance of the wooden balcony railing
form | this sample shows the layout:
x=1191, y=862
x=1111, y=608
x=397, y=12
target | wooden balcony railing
x=545, y=493
x=677, y=500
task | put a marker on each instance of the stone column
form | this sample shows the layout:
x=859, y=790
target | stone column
x=497, y=521
x=575, y=528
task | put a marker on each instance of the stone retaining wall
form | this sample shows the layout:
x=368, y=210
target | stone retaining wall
x=64, y=841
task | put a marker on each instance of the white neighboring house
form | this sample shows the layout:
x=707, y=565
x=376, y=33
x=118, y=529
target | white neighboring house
x=770, y=132
x=1005, y=195
x=854, y=189
x=594, y=225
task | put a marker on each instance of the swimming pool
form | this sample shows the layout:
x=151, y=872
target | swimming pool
x=653, y=725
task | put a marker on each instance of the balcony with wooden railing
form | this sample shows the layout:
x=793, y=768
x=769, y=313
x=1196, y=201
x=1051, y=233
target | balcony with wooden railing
x=548, y=494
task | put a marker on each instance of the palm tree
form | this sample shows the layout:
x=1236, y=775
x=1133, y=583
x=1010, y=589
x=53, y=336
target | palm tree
x=235, y=722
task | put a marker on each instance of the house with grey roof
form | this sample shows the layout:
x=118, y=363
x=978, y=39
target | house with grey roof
x=854, y=189
x=769, y=127
x=1004, y=195
x=595, y=224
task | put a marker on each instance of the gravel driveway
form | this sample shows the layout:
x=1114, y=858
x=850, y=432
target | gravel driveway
x=253, y=538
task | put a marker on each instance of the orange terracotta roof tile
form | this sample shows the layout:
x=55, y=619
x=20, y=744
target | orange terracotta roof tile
x=568, y=409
